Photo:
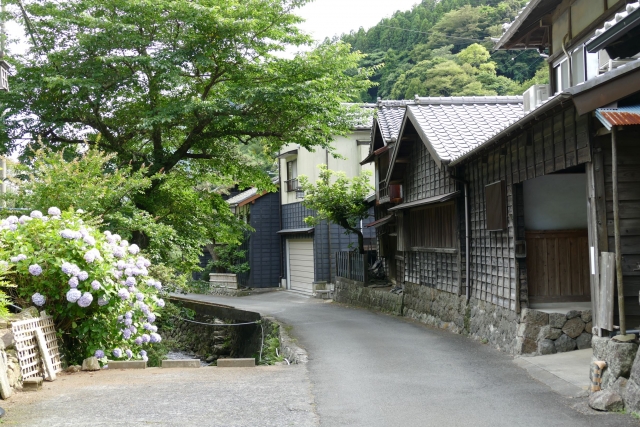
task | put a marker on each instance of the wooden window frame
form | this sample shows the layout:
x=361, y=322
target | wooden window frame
x=432, y=228
x=495, y=196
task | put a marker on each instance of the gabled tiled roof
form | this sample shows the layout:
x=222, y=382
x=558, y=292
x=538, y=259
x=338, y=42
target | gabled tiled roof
x=454, y=126
x=390, y=115
x=631, y=7
x=241, y=197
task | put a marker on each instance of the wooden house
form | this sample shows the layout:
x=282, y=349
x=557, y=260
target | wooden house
x=309, y=252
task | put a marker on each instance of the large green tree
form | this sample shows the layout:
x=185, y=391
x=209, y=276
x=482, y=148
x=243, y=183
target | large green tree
x=177, y=87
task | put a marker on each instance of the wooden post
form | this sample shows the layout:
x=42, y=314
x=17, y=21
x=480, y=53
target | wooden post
x=605, y=293
x=616, y=231
x=44, y=353
x=5, y=388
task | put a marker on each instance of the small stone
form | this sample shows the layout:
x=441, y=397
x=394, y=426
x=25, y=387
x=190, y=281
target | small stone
x=72, y=369
x=549, y=333
x=573, y=314
x=546, y=347
x=210, y=359
x=620, y=386
x=589, y=328
x=557, y=320
x=534, y=317
x=631, y=396
x=6, y=335
x=599, y=346
x=620, y=358
x=565, y=343
x=574, y=327
x=586, y=317
x=90, y=364
x=583, y=341
x=606, y=400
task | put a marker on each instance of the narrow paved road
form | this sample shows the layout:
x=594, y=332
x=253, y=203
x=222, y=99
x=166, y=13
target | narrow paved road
x=368, y=369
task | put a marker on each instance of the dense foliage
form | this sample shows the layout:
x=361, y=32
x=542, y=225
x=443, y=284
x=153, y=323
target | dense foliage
x=96, y=285
x=436, y=31
x=338, y=199
x=190, y=92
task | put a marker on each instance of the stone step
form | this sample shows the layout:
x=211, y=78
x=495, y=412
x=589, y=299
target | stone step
x=127, y=364
x=181, y=363
x=32, y=384
x=237, y=363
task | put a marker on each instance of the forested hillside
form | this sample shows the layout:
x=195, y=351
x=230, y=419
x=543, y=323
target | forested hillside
x=443, y=48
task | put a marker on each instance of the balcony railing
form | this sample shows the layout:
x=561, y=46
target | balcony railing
x=292, y=185
x=390, y=193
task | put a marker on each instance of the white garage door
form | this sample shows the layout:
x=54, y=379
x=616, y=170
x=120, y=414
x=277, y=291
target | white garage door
x=301, y=265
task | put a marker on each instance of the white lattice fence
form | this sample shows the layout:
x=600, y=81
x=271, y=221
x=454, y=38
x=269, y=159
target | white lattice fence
x=24, y=332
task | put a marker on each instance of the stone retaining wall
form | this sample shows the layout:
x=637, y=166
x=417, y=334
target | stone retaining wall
x=207, y=343
x=354, y=293
x=531, y=332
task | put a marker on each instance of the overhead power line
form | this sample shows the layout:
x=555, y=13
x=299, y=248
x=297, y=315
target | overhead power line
x=432, y=32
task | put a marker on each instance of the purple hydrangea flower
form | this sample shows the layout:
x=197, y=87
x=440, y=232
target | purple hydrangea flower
x=99, y=354
x=154, y=328
x=138, y=341
x=145, y=359
x=134, y=249
x=92, y=255
x=18, y=258
x=155, y=338
x=89, y=240
x=151, y=317
x=120, y=265
x=126, y=333
x=73, y=295
x=12, y=219
x=35, y=269
x=128, y=322
x=13, y=227
x=23, y=219
x=145, y=337
x=83, y=275
x=129, y=353
x=123, y=293
x=139, y=296
x=146, y=326
x=117, y=274
x=54, y=211
x=85, y=300
x=151, y=283
x=124, y=244
x=102, y=301
x=128, y=315
x=73, y=282
x=160, y=302
x=95, y=285
x=133, y=329
x=38, y=299
x=158, y=286
x=143, y=353
x=35, y=214
x=70, y=269
x=70, y=234
x=117, y=237
x=117, y=353
x=118, y=252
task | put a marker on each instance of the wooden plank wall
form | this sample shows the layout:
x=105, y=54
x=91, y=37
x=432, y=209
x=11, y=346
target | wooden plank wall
x=629, y=208
x=423, y=177
x=558, y=265
x=555, y=143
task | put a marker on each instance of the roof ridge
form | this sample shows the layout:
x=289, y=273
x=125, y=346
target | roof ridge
x=467, y=100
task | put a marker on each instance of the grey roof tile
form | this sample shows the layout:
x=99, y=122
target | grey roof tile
x=456, y=125
x=240, y=197
x=389, y=115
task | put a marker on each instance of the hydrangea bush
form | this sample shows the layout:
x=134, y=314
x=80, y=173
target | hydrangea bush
x=96, y=285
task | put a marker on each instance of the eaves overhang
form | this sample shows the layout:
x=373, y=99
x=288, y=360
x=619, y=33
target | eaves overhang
x=626, y=30
x=427, y=201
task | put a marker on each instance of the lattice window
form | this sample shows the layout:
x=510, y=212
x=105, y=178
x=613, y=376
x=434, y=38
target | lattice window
x=31, y=363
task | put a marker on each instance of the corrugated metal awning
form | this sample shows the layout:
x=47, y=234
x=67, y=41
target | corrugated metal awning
x=427, y=201
x=296, y=231
x=623, y=116
x=381, y=221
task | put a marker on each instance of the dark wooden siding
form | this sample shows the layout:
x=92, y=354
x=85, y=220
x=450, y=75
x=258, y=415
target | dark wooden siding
x=544, y=148
x=423, y=177
x=629, y=209
x=264, y=251
x=433, y=227
x=558, y=265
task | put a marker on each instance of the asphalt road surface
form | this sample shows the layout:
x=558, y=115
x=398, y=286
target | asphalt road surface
x=369, y=369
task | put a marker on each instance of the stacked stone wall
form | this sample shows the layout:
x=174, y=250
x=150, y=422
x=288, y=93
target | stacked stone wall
x=530, y=332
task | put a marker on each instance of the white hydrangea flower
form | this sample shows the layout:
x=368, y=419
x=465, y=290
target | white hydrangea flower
x=54, y=211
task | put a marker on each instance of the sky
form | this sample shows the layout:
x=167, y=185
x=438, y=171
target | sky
x=326, y=18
